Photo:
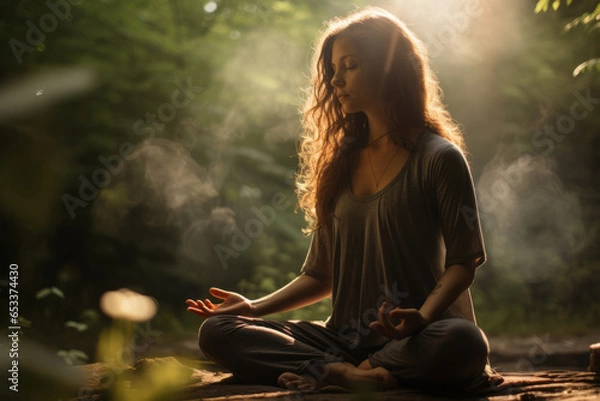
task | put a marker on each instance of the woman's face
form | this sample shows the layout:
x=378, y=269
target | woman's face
x=352, y=84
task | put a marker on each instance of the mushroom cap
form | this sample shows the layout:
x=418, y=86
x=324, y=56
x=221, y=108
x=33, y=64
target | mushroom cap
x=129, y=305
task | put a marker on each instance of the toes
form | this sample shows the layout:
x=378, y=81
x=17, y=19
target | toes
x=292, y=381
x=286, y=378
x=385, y=378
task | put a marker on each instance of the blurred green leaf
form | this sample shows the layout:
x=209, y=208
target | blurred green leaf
x=77, y=326
x=43, y=293
x=586, y=66
x=555, y=5
x=73, y=356
x=24, y=322
x=542, y=5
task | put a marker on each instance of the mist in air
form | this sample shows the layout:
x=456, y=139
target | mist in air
x=262, y=82
x=534, y=226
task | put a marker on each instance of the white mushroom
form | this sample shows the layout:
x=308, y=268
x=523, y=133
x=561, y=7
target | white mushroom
x=128, y=305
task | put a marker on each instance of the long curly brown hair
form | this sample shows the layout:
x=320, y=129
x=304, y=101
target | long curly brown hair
x=412, y=96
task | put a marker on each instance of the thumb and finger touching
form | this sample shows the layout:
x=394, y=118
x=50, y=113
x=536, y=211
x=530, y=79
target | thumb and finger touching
x=410, y=320
x=402, y=313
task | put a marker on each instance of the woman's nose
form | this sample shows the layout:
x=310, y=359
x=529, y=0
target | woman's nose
x=336, y=80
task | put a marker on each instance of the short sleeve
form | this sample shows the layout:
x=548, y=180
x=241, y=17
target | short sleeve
x=318, y=259
x=457, y=208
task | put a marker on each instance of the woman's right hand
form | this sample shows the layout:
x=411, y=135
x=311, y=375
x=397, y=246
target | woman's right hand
x=233, y=304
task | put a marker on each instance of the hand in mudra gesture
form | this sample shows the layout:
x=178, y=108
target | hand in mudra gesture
x=233, y=304
x=411, y=322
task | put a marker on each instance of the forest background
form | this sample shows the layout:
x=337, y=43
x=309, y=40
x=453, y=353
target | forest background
x=151, y=145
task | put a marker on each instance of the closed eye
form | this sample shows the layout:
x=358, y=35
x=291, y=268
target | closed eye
x=346, y=68
x=349, y=63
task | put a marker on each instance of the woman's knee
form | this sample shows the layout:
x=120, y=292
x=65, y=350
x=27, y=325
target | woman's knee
x=213, y=332
x=468, y=348
x=469, y=337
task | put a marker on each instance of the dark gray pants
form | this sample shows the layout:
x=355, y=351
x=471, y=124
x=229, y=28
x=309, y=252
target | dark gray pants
x=446, y=352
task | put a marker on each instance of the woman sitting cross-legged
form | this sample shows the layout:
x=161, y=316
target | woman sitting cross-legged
x=396, y=238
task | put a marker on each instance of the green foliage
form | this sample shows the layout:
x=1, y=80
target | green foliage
x=587, y=18
x=44, y=292
x=587, y=65
x=73, y=356
x=542, y=5
x=590, y=20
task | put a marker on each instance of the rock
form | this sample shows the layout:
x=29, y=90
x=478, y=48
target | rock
x=594, y=358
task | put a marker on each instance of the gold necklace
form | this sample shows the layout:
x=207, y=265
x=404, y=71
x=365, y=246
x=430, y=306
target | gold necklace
x=377, y=181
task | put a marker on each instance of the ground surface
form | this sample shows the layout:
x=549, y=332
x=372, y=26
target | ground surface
x=218, y=386
x=534, y=368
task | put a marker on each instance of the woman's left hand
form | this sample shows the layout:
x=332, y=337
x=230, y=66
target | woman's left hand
x=411, y=322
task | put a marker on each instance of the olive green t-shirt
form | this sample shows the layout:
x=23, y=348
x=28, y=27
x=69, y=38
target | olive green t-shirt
x=395, y=244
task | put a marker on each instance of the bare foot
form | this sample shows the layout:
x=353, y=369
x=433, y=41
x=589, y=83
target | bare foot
x=379, y=377
x=304, y=384
x=341, y=374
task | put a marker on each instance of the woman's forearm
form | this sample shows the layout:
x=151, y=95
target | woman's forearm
x=455, y=280
x=303, y=290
